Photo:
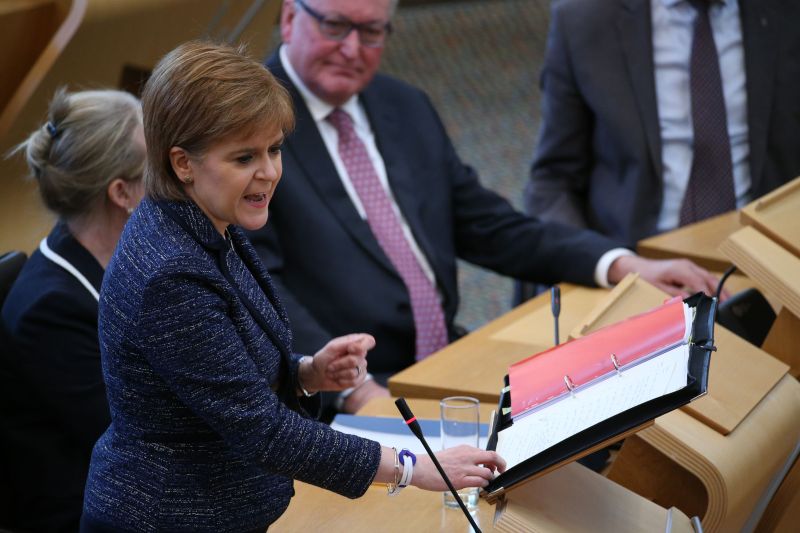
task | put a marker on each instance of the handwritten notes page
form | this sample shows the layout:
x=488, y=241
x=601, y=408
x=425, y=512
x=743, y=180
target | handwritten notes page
x=539, y=429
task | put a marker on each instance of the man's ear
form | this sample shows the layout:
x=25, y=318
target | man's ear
x=180, y=162
x=287, y=18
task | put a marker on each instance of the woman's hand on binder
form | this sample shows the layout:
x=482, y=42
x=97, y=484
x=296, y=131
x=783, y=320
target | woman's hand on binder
x=673, y=276
x=464, y=465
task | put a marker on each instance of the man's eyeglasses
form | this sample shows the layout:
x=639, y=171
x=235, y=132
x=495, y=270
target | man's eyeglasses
x=336, y=28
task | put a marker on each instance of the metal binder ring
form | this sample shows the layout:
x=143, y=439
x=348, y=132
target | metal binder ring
x=615, y=362
x=570, y=385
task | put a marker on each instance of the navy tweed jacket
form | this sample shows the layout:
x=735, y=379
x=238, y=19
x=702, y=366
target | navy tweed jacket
x=207, y=432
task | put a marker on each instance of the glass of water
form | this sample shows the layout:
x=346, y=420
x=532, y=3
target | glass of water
x=460, y=424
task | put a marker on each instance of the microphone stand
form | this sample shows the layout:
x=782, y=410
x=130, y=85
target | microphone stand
x=413, y=425
x=555, y=307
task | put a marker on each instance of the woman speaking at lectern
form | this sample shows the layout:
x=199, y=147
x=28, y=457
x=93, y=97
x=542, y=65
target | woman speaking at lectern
x=208, y=402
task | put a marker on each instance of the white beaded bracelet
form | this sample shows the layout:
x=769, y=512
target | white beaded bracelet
x=408, y=460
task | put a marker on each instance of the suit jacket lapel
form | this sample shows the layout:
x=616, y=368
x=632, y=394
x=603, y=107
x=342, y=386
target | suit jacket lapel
x=309, y=151
x=760, y=34
x=634, y=27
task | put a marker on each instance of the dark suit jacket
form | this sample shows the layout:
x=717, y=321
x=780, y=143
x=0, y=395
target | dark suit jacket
x=598, y=160
x=52, y=398
x=206, y=431
x=330, y=270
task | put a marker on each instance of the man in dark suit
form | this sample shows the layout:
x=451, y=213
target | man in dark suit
x=619, y=135
x=375, y=205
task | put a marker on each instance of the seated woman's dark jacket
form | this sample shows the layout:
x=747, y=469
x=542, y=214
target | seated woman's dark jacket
x=52, y=399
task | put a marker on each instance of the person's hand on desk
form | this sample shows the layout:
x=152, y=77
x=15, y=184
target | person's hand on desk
x=340, y=364
x=362, y=394
x=464, y=465
x=673, y=276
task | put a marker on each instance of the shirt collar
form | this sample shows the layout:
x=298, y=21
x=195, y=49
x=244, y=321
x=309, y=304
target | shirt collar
x=318, y=108
x=62, y=242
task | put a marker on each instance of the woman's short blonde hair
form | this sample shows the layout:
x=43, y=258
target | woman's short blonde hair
x=86, y=143
x=200, y=94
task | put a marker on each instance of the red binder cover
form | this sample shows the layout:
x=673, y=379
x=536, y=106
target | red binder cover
x=551, y=373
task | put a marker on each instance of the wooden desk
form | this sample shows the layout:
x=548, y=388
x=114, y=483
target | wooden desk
x=313, y=508
x=545, y=504
x=699, y=242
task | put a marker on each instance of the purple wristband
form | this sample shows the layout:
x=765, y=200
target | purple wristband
x=405, y=453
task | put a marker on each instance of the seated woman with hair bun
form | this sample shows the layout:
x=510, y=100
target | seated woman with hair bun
x=88, y=160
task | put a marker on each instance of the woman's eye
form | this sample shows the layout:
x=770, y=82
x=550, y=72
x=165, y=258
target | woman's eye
x=275, y=149
x=244, y=159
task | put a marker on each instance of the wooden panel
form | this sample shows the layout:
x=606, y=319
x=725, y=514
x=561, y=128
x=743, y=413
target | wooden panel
x=422, y=409
x=782, y=515
x=699, y=242
x=783, y=341
x=740, y=375
x=27, y=27
x=111, y=35
x=39, y=32
x=768, y=263
x=661, y=481
x=576, y=499
x=777, y=215
x=736, y=470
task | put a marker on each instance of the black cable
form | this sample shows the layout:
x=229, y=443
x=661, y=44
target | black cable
x=723, y=279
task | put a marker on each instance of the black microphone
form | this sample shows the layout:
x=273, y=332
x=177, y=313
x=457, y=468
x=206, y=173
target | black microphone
x=413, y=425
x=555, y=306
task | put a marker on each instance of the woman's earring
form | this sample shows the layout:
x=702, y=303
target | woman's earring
x=188, y=180
x=129, y=210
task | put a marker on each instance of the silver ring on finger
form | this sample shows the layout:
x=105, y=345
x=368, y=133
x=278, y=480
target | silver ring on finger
x=358, y=370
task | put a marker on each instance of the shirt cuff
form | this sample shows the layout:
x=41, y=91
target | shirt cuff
x=342, y=396
x=604, y=264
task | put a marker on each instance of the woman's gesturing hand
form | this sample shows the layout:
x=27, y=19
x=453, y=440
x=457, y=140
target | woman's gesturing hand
x=340, y=364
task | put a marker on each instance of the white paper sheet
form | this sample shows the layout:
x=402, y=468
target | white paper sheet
x=536, y=431
x=393, y=432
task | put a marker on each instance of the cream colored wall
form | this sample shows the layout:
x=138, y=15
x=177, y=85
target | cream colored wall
x=112, y=33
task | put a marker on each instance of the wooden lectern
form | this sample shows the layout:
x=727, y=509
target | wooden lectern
x=723, y=456
x=720, y=457
x=768, y=250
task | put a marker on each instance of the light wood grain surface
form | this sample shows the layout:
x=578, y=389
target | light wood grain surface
x=699, y=242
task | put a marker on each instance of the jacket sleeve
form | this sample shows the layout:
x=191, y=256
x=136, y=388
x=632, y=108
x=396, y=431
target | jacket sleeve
x=489, y=232
x=187, y=336
x=557, y=189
